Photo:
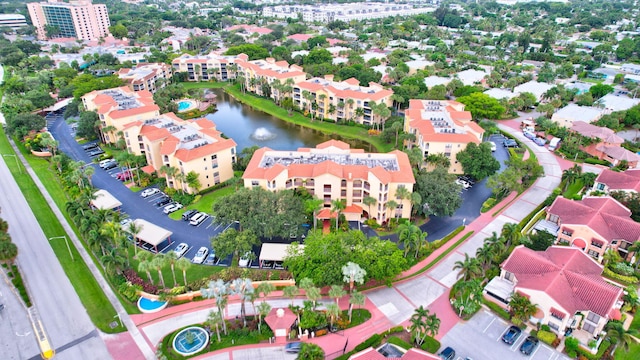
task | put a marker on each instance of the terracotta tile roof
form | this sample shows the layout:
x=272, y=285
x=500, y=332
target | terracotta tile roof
x=618, y=153
x=627, y=180
x=466, y=130
x=187, y=155
x=335, y=143
x=602, y=133
x=603, y=215
x=284, y=322
x=269, y=68
x=567, y=275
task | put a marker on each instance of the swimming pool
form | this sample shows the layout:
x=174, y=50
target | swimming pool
x=148, y=306
x=183, y=105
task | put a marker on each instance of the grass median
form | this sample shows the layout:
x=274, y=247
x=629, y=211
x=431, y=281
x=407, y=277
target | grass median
x=89, y=291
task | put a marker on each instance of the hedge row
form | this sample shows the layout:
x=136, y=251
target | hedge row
x=626, y=280
x=399, y=342
x=497, y=309
x=547, y=337
x=431, y=345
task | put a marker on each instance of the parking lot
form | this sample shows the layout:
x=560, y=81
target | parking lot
x=481, y=339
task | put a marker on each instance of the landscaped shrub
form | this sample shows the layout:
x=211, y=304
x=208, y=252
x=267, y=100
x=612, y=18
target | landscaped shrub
x=430, y=345
x=595, y=161
x=488, y=204
x=133, y=277
x=373, y=341
x=624, y=279
x=545, y=327
x=321, y=332
x=623, y=269
x=397, y=341
x=129, y=291
x=547, y=337
x=497, y=309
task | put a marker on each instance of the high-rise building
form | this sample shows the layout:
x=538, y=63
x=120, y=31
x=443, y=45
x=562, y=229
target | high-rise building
x=78, y=19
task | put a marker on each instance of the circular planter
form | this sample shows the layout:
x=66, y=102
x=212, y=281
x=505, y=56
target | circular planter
x=200, y=341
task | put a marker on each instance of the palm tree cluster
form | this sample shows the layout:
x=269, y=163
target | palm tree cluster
x=412, y=239
x=423, y=324
x=149, y=262
x=521, y=308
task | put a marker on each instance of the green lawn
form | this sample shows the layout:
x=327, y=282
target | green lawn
x=93, y=298
x=205, y=203
x=345, y=131
x=204, y=85
x=634, y=349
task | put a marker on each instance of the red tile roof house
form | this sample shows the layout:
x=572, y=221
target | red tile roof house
x=609, y=180
x=594, y=224
x=607, y=144
x=565, y=284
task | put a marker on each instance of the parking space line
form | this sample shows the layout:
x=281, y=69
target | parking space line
x=210, y=225
x=487, y=328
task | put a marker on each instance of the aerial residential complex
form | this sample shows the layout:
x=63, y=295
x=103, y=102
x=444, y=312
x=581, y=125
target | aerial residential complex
x=341, y=100
x=165, y=140
x=207, y=67
x=344, y=12
x=334, y=171
x=146, y=76
x=74, y=19
x=441, y=127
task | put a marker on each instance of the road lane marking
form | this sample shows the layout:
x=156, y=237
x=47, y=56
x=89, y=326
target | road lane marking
x=487, y=328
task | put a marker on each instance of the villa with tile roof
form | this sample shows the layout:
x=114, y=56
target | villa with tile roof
x=334, y=171
x=146, y=76
x=607, y=145
x=118, y=107
x=566, y=286
x=208, y=67
x=339, y=100
x=164, y=139
x=609, y=180
x=441, y=127
x=260, y=75
x=594, y=224
x=572, y=113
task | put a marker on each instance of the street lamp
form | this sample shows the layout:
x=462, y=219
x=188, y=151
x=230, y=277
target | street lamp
x=17, y=162
x=461, y=309
x=67, y=242
x=464, y=221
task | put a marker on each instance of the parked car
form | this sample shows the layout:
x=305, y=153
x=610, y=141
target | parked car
x=90, y=146
x=106, y=162
x=464, y=184
x=493, y=146
x=529, y=135
x=111, y=165
x=198, y=219
x=539, y=141
x=511, y=335
x=529, y=345
x=447, y=354
x=200, y=255
x=125, y=175
x=510, y=143
x=187, y=215
x=95, y=152
x=181, y=249
x=293, y=347
x=125, y=222
x=211, y=258
x=171, y=208
x=245, y=260
x=148, y=192
x=164, y=202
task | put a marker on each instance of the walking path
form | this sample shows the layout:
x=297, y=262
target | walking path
x=391, y=306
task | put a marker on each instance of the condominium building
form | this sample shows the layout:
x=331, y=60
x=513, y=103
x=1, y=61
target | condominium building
x=12, y=21
x=260, y=76
x=186, y=145
x=344, y=12
x=343, y=100
x=165, y=140
x=208, y=67
x=146, y=76
x=334, y=171
x=78, y=19
x=441, y=127
x=119, y=107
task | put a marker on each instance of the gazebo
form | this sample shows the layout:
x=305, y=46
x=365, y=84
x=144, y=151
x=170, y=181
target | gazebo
x=151, y=235
x=105, y=201
x=280, y=321
x=274, y=252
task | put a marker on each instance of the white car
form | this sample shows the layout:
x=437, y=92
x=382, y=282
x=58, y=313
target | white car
x=148, y=192
x=200, y=255
x=198, y=218
x=104, y=163
x=493, y=146
x=171, y=208
x=181, y=249
x=244, y=260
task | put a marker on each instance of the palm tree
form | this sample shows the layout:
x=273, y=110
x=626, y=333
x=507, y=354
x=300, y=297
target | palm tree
x=358, y=112
x=621, y=337
x=432, y=325
x=171, y=257
x=291, y=292
x=113, y=261
x=511, y=232
x=8, y=252
x=183, y=264
x=333, y=311
x=193, y=181
x=313, y=294
x=169, y=171
x=392, y=205
x=243, y=288
x=418, y=325
x=133, y=229
x=220, y=291
x=570, y=175
x=265, y=288
x=336, y=292
x=263, y=310
x=521, y=308
x=309, y=97
x=468, y=268
x=158, y=263
x=368, y=201
x=352, y=273
x=310, y=351
x=214, y=319
x=350, y=103
x=485, y=255
x=145, y=266
x=337, y=206
x=357, y=298
x=407, y=236
x=496, y=243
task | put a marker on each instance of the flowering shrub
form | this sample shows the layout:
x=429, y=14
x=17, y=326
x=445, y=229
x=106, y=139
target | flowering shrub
x=136, y=280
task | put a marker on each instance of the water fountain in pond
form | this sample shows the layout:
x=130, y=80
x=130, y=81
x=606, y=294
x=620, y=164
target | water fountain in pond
x=262, y=134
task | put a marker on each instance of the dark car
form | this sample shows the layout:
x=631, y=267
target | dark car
x=89, y=146
x=95, y=152
x=510, y=143
x=511, y=335
x=447, y=354
x=293, y=347
x=164, y=202
x=187, y=215
x=529, y=345
x=111, y=165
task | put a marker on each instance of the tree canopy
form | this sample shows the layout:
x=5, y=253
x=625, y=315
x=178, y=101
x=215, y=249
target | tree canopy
x=254, y=52
x=477, y=160
x=482, y=106
x=439, y=193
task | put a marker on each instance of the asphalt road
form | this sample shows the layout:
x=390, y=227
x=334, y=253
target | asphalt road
x=63, y=316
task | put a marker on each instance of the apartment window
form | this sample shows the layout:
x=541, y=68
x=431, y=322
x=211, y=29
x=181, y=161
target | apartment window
x=593, y=317
x=554, y=326
x=567, y=232
x=327, y=188
x=554, y=218
x=508, y=276
x=254, y=183
x=590, y=328
x=597, y=244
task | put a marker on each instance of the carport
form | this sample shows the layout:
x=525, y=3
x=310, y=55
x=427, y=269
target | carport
x=105, y=201
x=151, y=235
x=272, y=252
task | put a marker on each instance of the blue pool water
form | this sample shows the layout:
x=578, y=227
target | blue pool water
x=200, y=339
x=150, y=305
x=183, y=105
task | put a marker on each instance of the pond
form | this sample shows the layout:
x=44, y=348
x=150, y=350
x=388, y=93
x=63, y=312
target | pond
x=249, y=127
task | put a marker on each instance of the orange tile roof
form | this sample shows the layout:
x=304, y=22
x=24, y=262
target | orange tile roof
x=187, y=155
